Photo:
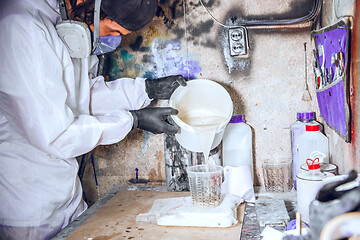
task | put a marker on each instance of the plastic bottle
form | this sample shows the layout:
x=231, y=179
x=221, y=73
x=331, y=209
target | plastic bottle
x=297, y=129
x=312, y=141
x=237, y=144
x=309, y=183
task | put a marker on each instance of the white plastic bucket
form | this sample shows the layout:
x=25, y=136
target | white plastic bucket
x=307, y=188
x=200, y=98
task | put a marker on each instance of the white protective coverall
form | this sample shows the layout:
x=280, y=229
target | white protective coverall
x=52, y=109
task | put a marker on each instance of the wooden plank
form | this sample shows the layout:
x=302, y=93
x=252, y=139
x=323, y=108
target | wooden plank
x=117, y=220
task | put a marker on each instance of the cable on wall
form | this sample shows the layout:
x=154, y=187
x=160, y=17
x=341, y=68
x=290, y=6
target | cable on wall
x=307, y=18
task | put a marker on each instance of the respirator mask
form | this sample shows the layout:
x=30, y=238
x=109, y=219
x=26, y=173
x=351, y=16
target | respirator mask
x=77, y=38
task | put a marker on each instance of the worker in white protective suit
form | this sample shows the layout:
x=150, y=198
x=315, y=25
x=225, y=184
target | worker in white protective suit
x=53, y=108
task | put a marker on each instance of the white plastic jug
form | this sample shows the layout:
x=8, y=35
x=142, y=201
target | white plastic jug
x=238, y=181
x=312, y=141
x=237, y=144
x=297, y=129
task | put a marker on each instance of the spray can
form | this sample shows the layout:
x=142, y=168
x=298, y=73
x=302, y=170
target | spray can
x=237, y=144
x=297, y=129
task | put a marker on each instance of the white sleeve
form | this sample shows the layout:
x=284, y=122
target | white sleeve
x=123, y=93
x=87, y=132
x=110, y=120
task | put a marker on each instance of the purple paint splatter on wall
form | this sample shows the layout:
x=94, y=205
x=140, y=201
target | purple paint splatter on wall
x=185, y=68
x=170, y=60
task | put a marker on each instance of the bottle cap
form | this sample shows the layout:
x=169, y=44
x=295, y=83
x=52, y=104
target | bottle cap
x=299, y=116
x=312, y=128
x=237, y=119
x=307, y=116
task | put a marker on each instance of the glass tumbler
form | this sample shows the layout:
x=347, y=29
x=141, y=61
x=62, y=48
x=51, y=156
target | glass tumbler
x=277, y=175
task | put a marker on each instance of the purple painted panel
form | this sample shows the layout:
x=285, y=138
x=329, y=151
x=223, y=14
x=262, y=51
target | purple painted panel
x=332, y=45
x=333, y=41
x=332, y=106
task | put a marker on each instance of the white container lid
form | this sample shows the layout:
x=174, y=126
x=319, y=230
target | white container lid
x=310, y=176
x=324, y=167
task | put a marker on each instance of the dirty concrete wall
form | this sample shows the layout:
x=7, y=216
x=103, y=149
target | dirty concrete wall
x=266, y=87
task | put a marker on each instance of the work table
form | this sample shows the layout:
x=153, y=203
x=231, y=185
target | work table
x=123, y=207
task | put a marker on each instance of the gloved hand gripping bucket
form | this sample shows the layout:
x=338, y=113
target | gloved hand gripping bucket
x=202, y=101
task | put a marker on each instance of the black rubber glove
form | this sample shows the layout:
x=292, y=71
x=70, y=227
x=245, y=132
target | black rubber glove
x=162, y=88
x=328, y=192
x=155, y=120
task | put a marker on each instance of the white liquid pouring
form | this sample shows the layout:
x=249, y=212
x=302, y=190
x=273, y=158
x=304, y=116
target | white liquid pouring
x=205, y=124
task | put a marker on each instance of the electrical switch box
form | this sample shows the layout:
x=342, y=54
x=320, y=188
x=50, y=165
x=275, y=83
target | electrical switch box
x=238, y=41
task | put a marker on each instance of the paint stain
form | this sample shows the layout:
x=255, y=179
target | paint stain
x=106, y=237
x=149, y=75
x=179, y=32
x=147, y=136
x=209, y=43
x=153, y=175
x=137, y=44
x=123, y=64
x=160, y=159
x=137, y=180
x=169, y=23
x=176, y=161
x=174, y=7
x=170, y=59
x=201, y=28
x=126, y=56
x=151, y=33
x=146, y=58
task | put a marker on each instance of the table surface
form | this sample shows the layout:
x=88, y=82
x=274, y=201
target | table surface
x=101, y=221
x=117, y=220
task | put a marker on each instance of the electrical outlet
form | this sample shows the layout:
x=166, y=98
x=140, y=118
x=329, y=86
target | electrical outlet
x=238, y=41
